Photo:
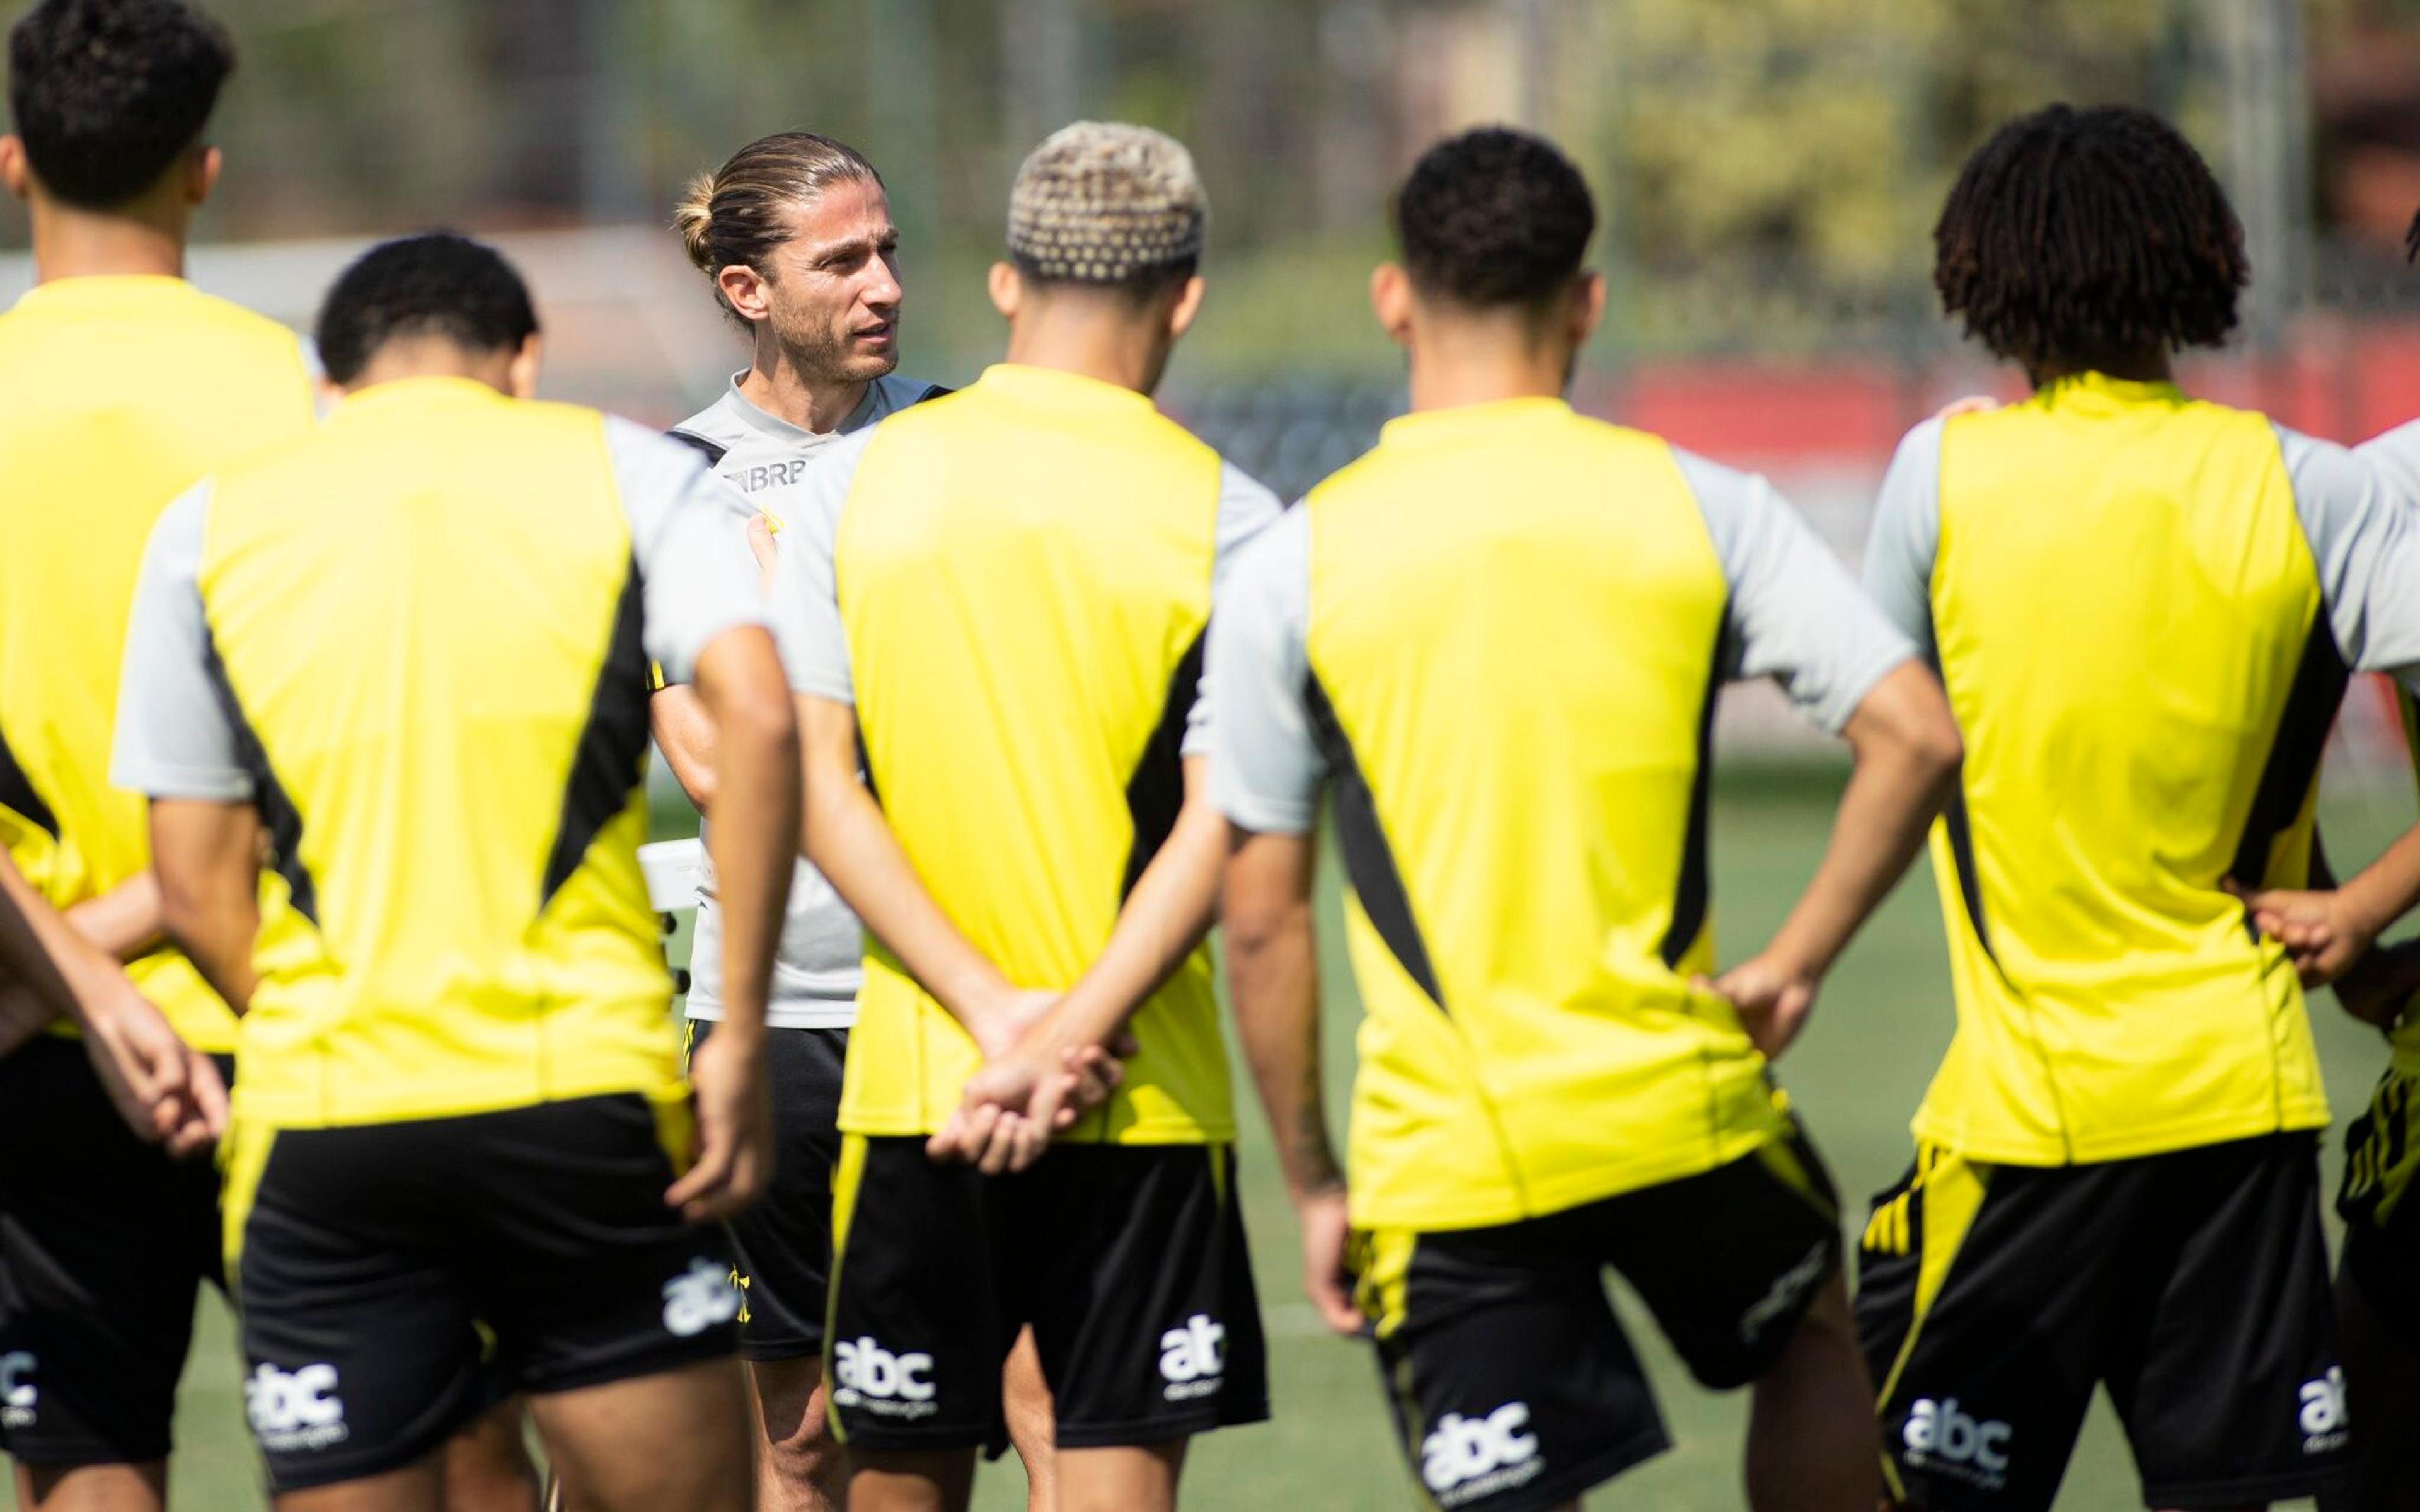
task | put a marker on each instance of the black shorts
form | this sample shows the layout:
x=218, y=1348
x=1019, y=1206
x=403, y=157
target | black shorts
x=1511, y=1384
x=2381, y=1249
x=105, y=1242
x=1128, y=1261
x=2193, y=1283
x=783, y=1243
x=394, y=1277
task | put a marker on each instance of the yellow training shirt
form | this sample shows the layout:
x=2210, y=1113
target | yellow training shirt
x=116, y=394
x=1011, y=584
x=418, y=640
x=1495, y=640
x=2144, y=609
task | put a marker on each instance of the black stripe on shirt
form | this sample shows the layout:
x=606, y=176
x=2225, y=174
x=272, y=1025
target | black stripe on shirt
x=610, y=761
x=1369, y=861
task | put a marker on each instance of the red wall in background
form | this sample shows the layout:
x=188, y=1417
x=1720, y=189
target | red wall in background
x=2340, y=378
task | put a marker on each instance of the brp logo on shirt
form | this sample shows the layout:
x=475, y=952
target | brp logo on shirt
x=891, y=1385
x=295, y=1410
x=1940, y=1437
x=17, y=1393
x=1464, y=1458
x=2326, y=1420
x=1193, y=1359
x=699, y=1298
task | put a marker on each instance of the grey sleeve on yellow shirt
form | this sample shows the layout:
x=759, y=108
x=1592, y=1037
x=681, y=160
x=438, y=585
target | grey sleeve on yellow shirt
x=2364, y=540
x=1266, y=766
x=176, y=726
x=806, y=583
x=688, y=537
x=1906, y=535
x=1245, y=509
x=1796, y=615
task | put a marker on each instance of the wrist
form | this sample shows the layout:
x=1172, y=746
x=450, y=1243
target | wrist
x=2363, y=911
x=1313, y=1182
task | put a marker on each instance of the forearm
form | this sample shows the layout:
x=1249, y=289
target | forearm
x=1890, y=801
x=685, y=733
x=1172, y=906
x=125, y=920
x=754, y=861
x=2386, y=890
x=39, y=949
x=1273, y=980
x=851, y=844
x=207, y=857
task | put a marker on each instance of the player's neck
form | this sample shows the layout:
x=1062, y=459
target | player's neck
x=136, y=240
x=786, y=390
x=2147, y=366
x=1092, y=340
x=1449, y=377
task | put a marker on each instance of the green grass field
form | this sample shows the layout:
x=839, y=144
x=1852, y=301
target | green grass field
x=1856, y=1074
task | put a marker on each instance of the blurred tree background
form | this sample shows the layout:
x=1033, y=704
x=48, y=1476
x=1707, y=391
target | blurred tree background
x=1770, y=168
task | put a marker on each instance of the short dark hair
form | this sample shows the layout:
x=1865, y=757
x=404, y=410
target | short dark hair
x=1494, y=217
x=2074, y=236
x=108, y=94
x=436, y=284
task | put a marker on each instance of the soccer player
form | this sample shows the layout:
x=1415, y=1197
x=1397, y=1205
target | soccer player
x=1004, y=593
x=794, y=231
x=120, y=384
x=406, y=657
x=2144, y=606
x=1496, y=640
x=2328, y=932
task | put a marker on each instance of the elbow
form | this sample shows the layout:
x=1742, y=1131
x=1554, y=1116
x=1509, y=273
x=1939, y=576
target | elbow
x=184, y=911
x=1936, y=752
x=768, y=725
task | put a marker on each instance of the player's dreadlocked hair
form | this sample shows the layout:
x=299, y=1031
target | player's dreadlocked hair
x=2075, y=237
x=2412, y=240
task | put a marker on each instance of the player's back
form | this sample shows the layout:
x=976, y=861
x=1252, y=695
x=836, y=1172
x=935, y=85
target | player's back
x=1023, y=573
x=2128, y=620
x=1515, y=623
x=429, y=613
x=116, y=394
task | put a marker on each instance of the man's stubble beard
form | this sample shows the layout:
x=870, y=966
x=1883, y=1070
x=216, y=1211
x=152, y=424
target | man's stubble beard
x=819, y=351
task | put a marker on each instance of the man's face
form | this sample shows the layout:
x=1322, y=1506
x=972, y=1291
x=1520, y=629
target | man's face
x=833, y=289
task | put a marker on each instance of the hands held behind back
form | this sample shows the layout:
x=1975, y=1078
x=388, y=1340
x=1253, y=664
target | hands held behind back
x=1030, y=1087
x=1772, y=999
x=2322, y=932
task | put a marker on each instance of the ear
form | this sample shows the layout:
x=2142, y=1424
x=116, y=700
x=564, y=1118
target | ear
x=1586, y=307
x=522, y=375
x=1390, y=301
x=744, y=287
x=14, y=170
x=1007, y=289
x=202, y=174
x=1187, y=305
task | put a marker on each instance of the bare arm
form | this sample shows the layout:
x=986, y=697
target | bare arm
x=1172, y=906
x=684, y=732
x=125, y=920
x=743, y=691
x=1064, y=1064
x=1272, y=978
x=2328, y=928
x=851, y=844
x=207, y=856
x=1907, y=754
x=163, y=1088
